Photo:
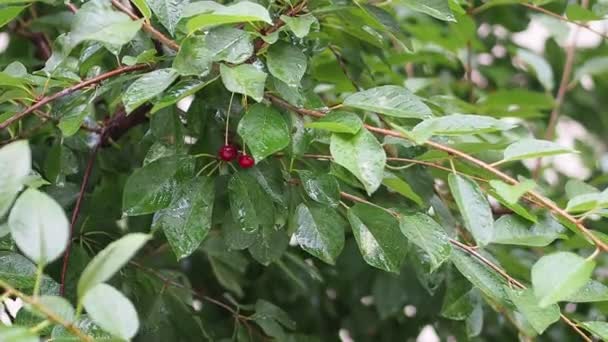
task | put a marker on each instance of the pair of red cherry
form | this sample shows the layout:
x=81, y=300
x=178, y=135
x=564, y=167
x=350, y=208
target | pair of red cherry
x=229, y=152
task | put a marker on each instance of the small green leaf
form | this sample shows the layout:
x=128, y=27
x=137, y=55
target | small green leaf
x=378, y=236
x=96, y=20
x=557, y=276
x=512, y=193
x=264, y=131
x=244, y=79
x=168, y=12
x=597, y=328
x=541, y=68
x=17, y=334
x=389, y=100
x=400, y=186
x=474, y=208
x=39, y=226
x=147, y=87
x=287, y=63
x=362, y=155
x=150, y=188
x=593, y=291
x=110, y=260
x=323, y=189
x=300, y=26
x=425, y=233
x=439, y=9
x=204, y=14
x=533, y=148
x=87, y=326
x=8, y=13
x=111, y=310
x=527, y=304
x=16, y=164
x=512, y=230
x=458, y=124
x=319, y=231
x=142, y=6
x=587, y=202
x=338, y=121
x=187, y=220
x=182, y=89
x=249, y=204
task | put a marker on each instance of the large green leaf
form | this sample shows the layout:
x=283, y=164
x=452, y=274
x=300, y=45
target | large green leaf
x=319, y=231
x=287, y=63
x=147, y=87
x=474, y=208
x=197, y=53
x=187, y=220
x=168, y=12
x=362, y=155
x=323, y=189
x=110, y=260
x=9, y=13
x=527, y=304
x=436, y=8
x=300, y=26
x=377, y=233
x=458, y=124
x=112, y=311
x=512, y=230
x=250, y=205
x=338, y=121
x=16, y=164
x=533, y=148
x=96, y=20
x=592, y=291
x=425, y=233
x=558, y=276
x=389, y=100
x=39, y=226
x=244, y=79
x=204, y=14
x=597, y=328
x=264, y=130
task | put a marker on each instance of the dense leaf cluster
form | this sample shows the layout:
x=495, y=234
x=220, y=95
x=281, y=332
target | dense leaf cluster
x=176, y=170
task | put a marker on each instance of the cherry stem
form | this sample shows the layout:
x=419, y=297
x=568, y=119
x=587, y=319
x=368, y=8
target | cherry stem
x=228, y=119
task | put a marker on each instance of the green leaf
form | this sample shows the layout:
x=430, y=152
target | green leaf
x=264, y=131
x=457, y=301
x=269, y=246
x=271, y=319
x=458, y=124
x=486, y=280
x=208, y=13
x=575, y=187
x=597, y=328
x=425, y=233
x=39, y=226
x=592, y=67
x=87, y=326
x=557, y=276
x=59, y=306
x=111, y=310
x=338, y=121
x=287, y=63
x=244, y=79
x=96, y=20
x=400, y=186
x=110, y=260
x=147, y=87
x=540, y=67
x=235, y=237
x=592, y=291
x=168, y=12
x=17, y=334
x=197, y=53
x=512, y=193
x=182, y=89
x=300, y=26
x=527, y=304
x=533, y=148
x=577, y=12
x=142, y=6
x=389, y=100
x=587, y=202
x=249, y=204
x=323, y=189
x=378, y=236
x=474, y=208
x=435, y=8
x=512, y=230
x=21, y=273
x=8, y=13
x=362, y=155
x=319, y=231
x=187, y=220
x=16, y=164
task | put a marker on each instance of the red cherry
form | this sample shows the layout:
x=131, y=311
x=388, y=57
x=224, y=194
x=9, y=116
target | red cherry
x=227, y=152
x=246, y=161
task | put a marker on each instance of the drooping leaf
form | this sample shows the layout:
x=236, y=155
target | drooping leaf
x=16, y=164
x=287, y=63
x=111, y=310
x=377, y=233
x=389, y=100
x=142, y=6
x=511, y=230
x=319, y=231
x=204, y=14
x=338, y=121
x=264, y=130
x=557, y=276
x=362, y=155
x=244, y=79
x=527, y=304
x=474, y=208
x=533, y=148
x=248, y=203
x=168, y=12
x=187, y=220
x=323, y=189
x=97, y=20
x=39, y=226
x=425, y=233
x=147, y=87
x=110, y=260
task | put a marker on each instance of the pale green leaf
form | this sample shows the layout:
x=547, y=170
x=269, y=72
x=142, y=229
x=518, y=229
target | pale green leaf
x=593, y=291
x=389, y=100
x=8, y=13
x=204, y=14
x=541, y=68
x=17, y=334
x=474, y=208
x=400, y=186
x=287, y=63
x=533, y=148
x=597, y=328
x=244, y=79
x=168, y=12
x=16, y=164
x=111, y=310
x=300, y=26
x=458, y=124
x=424, y=232
x=527, y=304
x=512, y=230
x=435, y=8
x=512, y=193
x=98, y=21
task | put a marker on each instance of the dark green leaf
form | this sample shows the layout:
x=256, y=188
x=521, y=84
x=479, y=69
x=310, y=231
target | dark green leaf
x=249, y=205
x=147, y=87
x=264, y=130
x=319, y=231
x=474, y=208
x=511, y=230
x=320, y=188
x=287, y=63
x=425, y=233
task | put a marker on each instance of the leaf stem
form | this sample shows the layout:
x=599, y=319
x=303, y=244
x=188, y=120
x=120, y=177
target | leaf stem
x=39, y=273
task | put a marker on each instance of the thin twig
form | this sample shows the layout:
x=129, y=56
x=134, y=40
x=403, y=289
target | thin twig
x=47, y=99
